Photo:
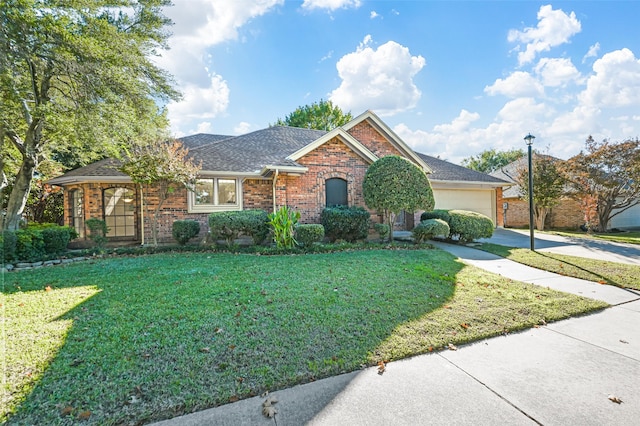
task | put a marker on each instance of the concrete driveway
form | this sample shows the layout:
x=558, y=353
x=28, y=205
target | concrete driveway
x=580, y=247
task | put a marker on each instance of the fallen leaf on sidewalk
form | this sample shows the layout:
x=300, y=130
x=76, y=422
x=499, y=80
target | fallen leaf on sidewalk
x=624, y=341
x=452, y=347
x=268, y=410
x=381, y=367
x=615, y=399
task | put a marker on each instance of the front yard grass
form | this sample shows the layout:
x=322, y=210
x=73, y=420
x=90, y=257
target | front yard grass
x=130, y=340
x=628, y=237
x=604, y=272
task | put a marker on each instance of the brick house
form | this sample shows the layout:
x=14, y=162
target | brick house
x=515, y=209
x=302, y=168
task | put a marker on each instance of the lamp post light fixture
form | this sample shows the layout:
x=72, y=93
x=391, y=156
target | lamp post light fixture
x=529, y=140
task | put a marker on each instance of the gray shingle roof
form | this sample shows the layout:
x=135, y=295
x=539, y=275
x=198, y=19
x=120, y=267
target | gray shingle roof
x=105, y=167
x=251, y=152
x=446, y=171
x=201, y=139
x=510, y=171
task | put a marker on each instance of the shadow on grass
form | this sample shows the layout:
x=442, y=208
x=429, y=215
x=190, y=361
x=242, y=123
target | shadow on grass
x=175, y=333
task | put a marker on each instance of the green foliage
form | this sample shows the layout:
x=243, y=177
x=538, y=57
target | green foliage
x=467, y=226
x=56, y=238
x=283, y=223
x=430, y=228
x=604, y=177
x=548, y=184
x=436, y=214
x=393, y=184
x=308, y=234
x=184, y=230
x=491, y=160
x=78, y=81
x=382, y=229
x=229, y=226
x=345, y=223
x=30, y=245
x=8, y=241
x=98, y=230
x=321, y=115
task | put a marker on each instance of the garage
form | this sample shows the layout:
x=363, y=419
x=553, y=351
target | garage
x=480, y=201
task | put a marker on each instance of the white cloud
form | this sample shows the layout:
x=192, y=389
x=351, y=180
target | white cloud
x=519, y=83
x=459, y=124
x=204, y=127
x=592, y=52
x=199, y=103
x=242, y=128
x=198, y=25
x=557, y=71
x=554, y=28
x=374, y=15
x=330, y=4
x=616, y=82
x=378, y=79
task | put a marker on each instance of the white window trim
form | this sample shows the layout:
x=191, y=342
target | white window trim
x=212, y=208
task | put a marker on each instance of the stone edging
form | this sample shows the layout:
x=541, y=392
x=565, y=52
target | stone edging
x=23, y=266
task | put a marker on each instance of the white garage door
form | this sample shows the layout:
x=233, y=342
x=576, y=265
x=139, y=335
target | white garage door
x=481, y=201
x=629, y=218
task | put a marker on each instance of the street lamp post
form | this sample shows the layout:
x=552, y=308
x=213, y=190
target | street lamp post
x=529, y=140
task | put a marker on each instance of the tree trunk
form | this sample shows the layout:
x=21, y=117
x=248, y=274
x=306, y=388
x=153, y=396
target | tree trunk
x=390, y=217
x=540, y=214
x=603, y=218
x=19, y=194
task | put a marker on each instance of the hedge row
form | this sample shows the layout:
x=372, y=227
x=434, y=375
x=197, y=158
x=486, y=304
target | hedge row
x=35, y=243
x=465, y=226
x=345, y=223
x=229, y=226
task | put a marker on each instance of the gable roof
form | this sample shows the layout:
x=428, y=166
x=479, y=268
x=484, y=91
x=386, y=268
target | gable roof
x=448, y=172
x=509, y=171
x=389, y=134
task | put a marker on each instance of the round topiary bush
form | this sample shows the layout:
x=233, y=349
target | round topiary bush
x=308, y=234
x=468, y=226
x=430, y=228
x=184, y=230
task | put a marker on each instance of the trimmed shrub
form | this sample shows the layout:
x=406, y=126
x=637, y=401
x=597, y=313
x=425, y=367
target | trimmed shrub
x=308, y=234
x=436, y=214
x=430, y=228
x=8, y=242
x=29, y=245
x=468, y=226
x=346, y=223
x=382, y=229
x=230, y=225
x=98, y=231
x=184, y=230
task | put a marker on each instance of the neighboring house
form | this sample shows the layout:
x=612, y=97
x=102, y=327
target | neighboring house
x=515, y=209
x=301, y=168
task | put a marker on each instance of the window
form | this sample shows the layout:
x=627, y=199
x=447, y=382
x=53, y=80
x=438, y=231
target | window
x=119, y=212
x=336, y=190
x=215, y=194
x=76, y=204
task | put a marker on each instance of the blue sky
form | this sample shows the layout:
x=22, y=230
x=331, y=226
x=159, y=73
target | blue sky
x=451, y=78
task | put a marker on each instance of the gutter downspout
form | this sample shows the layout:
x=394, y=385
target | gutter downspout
x=142, y=214
x=275, y=179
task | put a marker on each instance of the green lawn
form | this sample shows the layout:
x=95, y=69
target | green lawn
x=129, y=340
x=628, y=237
x=604, y=272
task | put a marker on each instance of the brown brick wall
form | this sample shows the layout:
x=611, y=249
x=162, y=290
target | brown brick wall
x=372, y=139
x=567, y=214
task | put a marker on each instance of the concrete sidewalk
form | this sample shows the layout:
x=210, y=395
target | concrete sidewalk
x=559, y=374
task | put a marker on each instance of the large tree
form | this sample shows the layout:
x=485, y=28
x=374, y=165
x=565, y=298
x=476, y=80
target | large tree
x=548, y=185
x=77, y=81
x=163, y=167
x=392, y=184
x=491, y=160
x=608, y=175
x=323, y=115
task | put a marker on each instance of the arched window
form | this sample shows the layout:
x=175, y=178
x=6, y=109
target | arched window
x=76, y=213
x=336, y=190
x=119, y=212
